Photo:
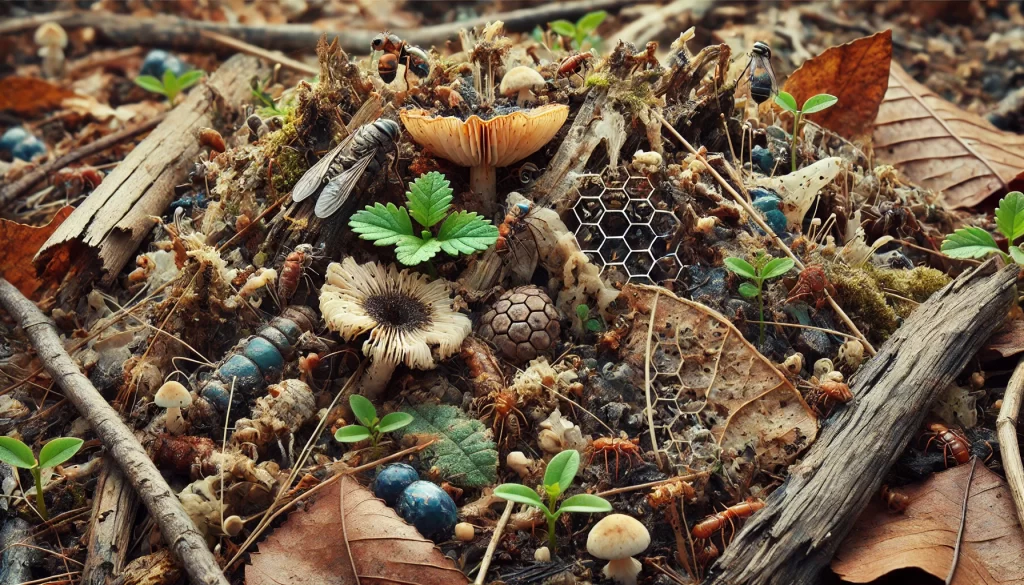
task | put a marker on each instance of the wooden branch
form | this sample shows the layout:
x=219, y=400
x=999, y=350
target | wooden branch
x=795, y=536
x=1009, y=449
x=180, y=534
x=110, y=527
x=17, y=188
x=115, y=217
x=185, y=34
x=16, y=561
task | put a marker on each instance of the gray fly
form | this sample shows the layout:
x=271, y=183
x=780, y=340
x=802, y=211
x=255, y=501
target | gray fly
x=335, y=175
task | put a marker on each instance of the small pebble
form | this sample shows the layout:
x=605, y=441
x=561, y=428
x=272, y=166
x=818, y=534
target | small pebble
x=465, y=532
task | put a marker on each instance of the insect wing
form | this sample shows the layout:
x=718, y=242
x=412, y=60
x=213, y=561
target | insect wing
x=338, y=190
x=761, y=65
x=312, y=179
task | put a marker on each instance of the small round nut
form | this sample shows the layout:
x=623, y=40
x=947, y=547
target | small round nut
x=522, y=323
x=464, y=531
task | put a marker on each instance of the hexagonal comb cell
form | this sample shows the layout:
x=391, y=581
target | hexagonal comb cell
x=639, y=188
x=639, y=237
x=589, y=238
x=639, y=264
x=664, y=223
x=666, y=268
x=614, y=224
x=639, y=211
x=614, y=177
x=614, y=199
x=589, y=185
x=614, y=251
x=589, y=210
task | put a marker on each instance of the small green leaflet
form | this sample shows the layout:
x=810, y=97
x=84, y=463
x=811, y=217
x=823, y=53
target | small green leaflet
x=787, y=102
x=352, y=434
x=748, y=290
x=429, y=198
x=820, y=102
x=563, y=27
x=59, y=450
x=1010, y=216
x=382, y=225
x=363, y=409
x=589, y=22
x=414, y=250
x=969, y=242
x=1017, y=254
x=150, y=83
x=15, y=453
x=741, y=267
x=585, y=503
x=776, y=267
x=466, y=232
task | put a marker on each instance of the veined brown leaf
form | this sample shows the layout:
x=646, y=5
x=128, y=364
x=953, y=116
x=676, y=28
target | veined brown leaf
x=941, y=147
x=349, y=537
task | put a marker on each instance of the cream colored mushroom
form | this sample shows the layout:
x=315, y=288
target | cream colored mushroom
x=232, y=525
x=520, y=82
x=616, y=538
x=483, y=145
x=52, y=40
x=173, y=396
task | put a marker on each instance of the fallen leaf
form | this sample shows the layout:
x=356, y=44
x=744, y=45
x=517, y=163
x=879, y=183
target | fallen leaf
x=463, y=452
x=924, y=535
x=20, y=243
x=1007, y=341
x=857, y=73
x=701, y=364
x=800, y=188
x=944, y=148
x=29, y=96
x=368, y=543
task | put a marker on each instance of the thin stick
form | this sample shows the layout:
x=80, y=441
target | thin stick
x=1006, y=429
x=486, y=562
x=754, y=215
x=649, y=484
x=180, y=534
x=647, y=380
x=810, y=327
x=963, y=522
x=255, y=51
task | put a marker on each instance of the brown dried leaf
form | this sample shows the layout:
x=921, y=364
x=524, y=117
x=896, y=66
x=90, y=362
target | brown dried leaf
x=857, y=73
x=941, y=147
x=1006, y=342
x=925, y=534
x=697, y=355
x=20, y=243
x=369, y=543
x=29, y=96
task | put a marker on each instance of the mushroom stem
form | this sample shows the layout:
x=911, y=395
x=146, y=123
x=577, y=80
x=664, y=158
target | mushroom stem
x=525, y=97
x=482, y=179
x=623, y=571
x=376, y=378
x=174, y=423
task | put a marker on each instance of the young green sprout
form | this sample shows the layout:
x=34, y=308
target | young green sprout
x=171, y=85
x=813, y=105
x=974, y=242
x=593, y=324
x=582, y=31
x=372, y=427
x=764, y=267
x=18, y=454
x=558, y=476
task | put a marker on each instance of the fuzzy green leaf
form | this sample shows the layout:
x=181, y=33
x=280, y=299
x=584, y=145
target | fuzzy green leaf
x=1017, y=254
x=563, y=27
x=562, y=469
x=466, y=232
x=593, y=325
x=190, y=78
x=363, y=409
x=352, y=434
x=748, y=291
x=586, y=503
x=815, y=104
x=519, y=494
x=394, y=421
x=14, y=452
x=777, y=267
x=462, y=453
x=58, y=451
x=383, y=225
x=429, y=196
x=787, y=102
x=741, y=267
x=589, y=22
x=1010, y=215
x=150, y=83
x=969, y=242
x=583, y=312
x=413, y=250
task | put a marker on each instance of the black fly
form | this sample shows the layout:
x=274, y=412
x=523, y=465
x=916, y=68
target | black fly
x=762, y=76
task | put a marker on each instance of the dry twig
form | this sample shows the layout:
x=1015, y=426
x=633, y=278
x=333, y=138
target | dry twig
x=495, y=538
x=1006, y=429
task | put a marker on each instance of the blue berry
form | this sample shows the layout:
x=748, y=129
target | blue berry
x=430, y=509
x=763, y=159
x=392, y=481
x=158, y=61
x=13, y=137
x=29, y=148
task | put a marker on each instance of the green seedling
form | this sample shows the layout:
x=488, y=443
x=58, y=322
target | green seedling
x=974, y=242
x=171, y=85
x=582, y=32
x=763, y=268
x=17, y=454
x=558, y=477
x=813, y=105
x=372, y=427
x=594, y=324
x=429, y=201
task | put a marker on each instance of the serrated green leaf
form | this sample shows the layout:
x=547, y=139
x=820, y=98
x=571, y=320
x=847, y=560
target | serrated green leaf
x=1017, y=254
x=190, y=78
x=748, y=291
x=466, y=232
x=589, y=22
x=429, y=196
x=394, y=421
x=777, y=267
x=58, y=451
x=519, y=494
x=14, y=452
x=969, y=242
x=462, y=453
x=562, y=469
x=413, y=250
x=352, y=434
x=815, y=104
x=383, y=225
x=787, y=102
x=150, y=83
x=1010, y=215
x=363, y=409
x=586, y=503
x=741, y=267
x=563, y=27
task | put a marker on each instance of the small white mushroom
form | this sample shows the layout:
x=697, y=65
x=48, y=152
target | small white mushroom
x=518, y=461
x=464, y=531
x=52, y=40
x=542, y=555
x=173, y=396
x=616, y=538
x=232, y=525
x=822, y=367
x=520, y=82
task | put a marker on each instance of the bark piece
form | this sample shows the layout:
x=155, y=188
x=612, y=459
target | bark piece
x=794, y=537
x=113, y=513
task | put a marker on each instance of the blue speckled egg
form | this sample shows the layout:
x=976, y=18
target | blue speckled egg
x=217, y=394
x=158, y=61
x=392, y=481
x=430, y=509
x=265, y=355
x=274, y=335
x=13, y=137
x=777, y=221
x=290, y=329
x=246, y=374
x=29, y=148
x=763, y=159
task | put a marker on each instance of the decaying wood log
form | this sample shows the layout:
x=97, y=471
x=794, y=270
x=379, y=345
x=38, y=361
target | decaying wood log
x=113, y=513
x=795, y=536
x=17, y=559
x=115, y=218
x=180, y=534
